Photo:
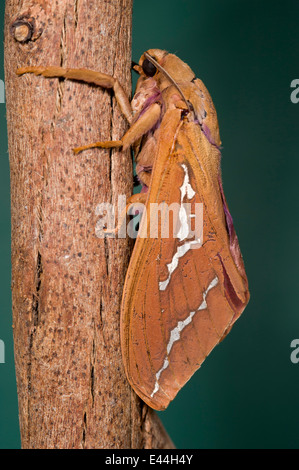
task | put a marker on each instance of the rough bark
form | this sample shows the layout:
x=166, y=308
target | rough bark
x=66, y=282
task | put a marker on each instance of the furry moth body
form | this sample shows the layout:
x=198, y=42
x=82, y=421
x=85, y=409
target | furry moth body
x=180, y=297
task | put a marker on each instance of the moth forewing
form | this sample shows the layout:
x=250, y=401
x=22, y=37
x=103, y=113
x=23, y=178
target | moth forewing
x=178, y=296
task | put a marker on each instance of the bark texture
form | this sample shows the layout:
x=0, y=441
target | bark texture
x=66, y=282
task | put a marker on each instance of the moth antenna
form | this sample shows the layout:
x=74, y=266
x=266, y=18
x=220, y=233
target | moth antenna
x=159, y=67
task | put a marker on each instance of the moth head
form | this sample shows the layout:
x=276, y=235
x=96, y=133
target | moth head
x=146, y=68
x=164, y=69
x=161, y=65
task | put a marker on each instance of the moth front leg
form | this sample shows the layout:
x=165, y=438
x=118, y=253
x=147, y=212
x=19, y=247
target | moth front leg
x=87, y=76
x=137, y=130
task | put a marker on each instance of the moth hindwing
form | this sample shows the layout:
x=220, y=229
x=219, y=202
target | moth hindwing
x=186, y=284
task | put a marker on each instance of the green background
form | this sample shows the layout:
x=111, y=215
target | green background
x=246, y=52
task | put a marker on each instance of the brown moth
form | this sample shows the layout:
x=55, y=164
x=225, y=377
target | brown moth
x=182, y=294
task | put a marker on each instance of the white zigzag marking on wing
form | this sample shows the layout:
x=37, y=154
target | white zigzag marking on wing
x=176, y=333
x=186, y=190
x=181, y=251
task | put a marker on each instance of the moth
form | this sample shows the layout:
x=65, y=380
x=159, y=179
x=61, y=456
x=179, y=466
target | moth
x=181, y=295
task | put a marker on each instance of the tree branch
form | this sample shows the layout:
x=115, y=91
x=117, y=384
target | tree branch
x=66, y=282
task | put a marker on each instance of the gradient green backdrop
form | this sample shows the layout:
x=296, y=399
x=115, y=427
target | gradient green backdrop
x=246, y=52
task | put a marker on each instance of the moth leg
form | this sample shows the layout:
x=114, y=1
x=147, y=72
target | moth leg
x=88, y=76
x=134, y=199
x=137, y=130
